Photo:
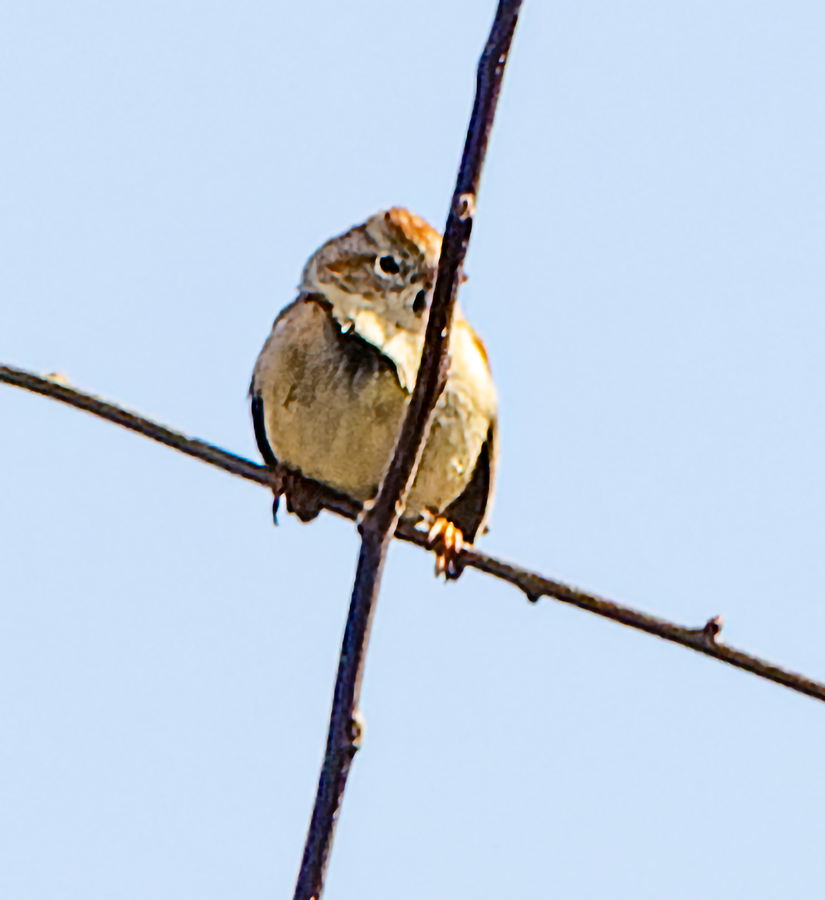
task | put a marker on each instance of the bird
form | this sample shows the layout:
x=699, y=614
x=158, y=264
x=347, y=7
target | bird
x=332, y=383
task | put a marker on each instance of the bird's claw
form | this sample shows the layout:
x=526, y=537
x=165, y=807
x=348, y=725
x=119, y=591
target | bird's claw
x=303, y=496
x=448, y=542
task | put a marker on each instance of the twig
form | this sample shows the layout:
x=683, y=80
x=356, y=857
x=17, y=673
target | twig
x=704, y=640
x=381, y=519
x=57, y=387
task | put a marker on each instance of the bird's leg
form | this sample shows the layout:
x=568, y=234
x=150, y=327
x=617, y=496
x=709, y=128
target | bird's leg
x=303, y=496
x=447, y=541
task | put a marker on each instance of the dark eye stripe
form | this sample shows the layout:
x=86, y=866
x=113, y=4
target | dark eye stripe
x=389, y=265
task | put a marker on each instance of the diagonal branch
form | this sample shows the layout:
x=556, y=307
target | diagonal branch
x=534, y=586
x=381, y=519
x=58, y=388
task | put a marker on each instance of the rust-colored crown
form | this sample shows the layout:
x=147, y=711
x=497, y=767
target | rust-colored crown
x=415, y=230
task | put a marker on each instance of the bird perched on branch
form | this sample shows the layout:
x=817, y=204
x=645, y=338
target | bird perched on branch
x=334, y=378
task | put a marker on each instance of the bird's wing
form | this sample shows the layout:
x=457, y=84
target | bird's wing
x=256, y=401
x=470, y=511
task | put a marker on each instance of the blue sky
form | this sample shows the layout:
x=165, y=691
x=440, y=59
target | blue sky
x=647, y=273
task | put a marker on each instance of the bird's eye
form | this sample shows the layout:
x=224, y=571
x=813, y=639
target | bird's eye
x=420, y=302
x=389, y=265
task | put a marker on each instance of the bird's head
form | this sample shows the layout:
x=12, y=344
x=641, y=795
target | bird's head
x=385, y=267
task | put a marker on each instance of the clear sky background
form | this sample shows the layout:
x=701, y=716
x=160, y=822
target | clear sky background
x=647, y=271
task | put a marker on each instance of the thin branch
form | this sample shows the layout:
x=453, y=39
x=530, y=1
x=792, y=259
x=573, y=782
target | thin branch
x=381, y=519
x=703, y=640
x=534, y=586
x=58, y=388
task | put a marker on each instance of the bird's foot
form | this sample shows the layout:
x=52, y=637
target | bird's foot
x=303, y=496
x=447, y=541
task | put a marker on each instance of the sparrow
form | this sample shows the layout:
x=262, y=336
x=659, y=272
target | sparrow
x=333, y=381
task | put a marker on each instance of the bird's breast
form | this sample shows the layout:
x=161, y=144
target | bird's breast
x=333, y=406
